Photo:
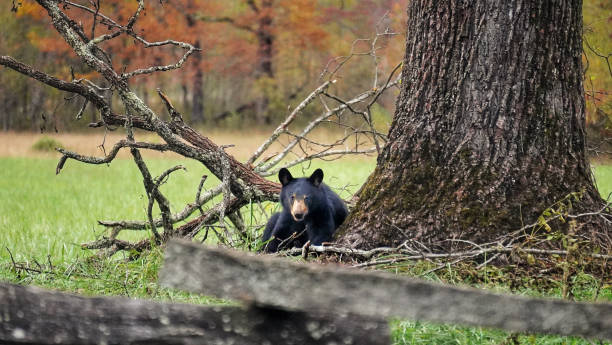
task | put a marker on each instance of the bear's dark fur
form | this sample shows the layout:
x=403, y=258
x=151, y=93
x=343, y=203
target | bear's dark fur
x=311, y=211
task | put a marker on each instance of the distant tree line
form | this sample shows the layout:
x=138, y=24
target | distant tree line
x=257, y=56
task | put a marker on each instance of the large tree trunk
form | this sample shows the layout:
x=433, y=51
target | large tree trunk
x=489, y=126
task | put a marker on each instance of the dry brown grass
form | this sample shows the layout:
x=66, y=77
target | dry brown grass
x=19, y=144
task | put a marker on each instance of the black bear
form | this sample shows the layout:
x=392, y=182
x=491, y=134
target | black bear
x=311, y=211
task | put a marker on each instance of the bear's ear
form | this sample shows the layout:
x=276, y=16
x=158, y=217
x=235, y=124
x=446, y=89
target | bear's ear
x=284, y=176
x=316, y=178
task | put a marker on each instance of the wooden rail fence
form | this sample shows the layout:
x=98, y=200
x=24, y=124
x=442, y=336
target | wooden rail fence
x=283, y=303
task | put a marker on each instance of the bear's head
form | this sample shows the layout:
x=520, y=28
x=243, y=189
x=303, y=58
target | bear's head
x=301, y=195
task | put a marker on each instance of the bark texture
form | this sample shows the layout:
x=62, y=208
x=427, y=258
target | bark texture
x=30, y=315
x=374, y=296
x=489, y=126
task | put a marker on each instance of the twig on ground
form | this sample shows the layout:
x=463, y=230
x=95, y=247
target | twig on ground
x=404, y=256
x=12, y=259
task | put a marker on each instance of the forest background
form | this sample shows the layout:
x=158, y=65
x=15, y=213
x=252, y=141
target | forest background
x=256, y=59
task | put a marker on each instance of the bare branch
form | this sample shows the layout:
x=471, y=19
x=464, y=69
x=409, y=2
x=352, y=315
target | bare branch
x=190, y=50
x=174, y=115
x=252, y=5
x=597, y=53
x=174, y=218
x=190, y=229
x=309, y=128
x=283, y=126
x=135, y=16
x=474, y=253
x=200, y=186
x=154, y=191
x=323, y=154
x=111, y=155
x=105, y=20
x=52, y=81
x=105, y=37
x=227, y=175
x=79, y=115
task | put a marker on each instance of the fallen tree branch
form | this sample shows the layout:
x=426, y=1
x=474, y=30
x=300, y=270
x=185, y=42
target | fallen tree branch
x=174, y=218
x=409, y=254
x=52, y=81
x=269, y=164
x=242, y=183
x=164, y=205
x=474, y=253
x=111, y=155
x=191, y=228
x=323, y=154
x=190, y=50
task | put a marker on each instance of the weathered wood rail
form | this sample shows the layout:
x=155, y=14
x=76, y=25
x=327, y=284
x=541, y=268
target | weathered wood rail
x=30, y=315
x=283, y=303
x=274, y=282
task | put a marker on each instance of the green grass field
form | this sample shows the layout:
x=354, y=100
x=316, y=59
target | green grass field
x=46, y=214
x=45, y=217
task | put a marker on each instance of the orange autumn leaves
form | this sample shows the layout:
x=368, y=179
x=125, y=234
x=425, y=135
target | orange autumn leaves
x=318, y=29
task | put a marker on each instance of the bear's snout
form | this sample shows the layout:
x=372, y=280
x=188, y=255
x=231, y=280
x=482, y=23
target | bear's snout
x=299, y=209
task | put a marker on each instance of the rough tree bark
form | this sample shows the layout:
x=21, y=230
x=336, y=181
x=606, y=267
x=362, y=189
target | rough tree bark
x=312, y=288
x=488, y=130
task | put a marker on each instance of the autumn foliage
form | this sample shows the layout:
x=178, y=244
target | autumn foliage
x=257, y=56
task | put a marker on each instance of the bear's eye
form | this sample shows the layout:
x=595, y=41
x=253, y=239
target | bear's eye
x=292, y=197
x=306, y=198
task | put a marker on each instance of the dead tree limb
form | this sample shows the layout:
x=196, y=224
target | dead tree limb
x=410, y=255
x=112, y=154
